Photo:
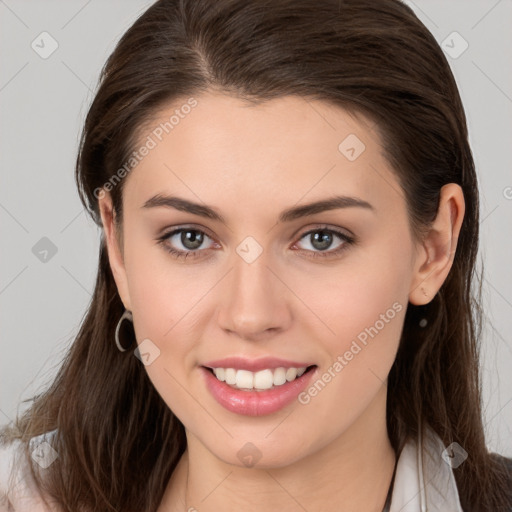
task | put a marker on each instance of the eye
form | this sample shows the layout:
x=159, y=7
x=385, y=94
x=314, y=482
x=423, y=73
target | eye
x=321, y=239
x=190, y=239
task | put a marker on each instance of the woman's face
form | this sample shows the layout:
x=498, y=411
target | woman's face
x=266, y=280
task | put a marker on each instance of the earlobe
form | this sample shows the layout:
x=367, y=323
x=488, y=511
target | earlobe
x=437, y=252
x=114, y=249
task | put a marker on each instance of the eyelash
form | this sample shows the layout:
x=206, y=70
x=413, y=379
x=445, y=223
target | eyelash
x=348, y=240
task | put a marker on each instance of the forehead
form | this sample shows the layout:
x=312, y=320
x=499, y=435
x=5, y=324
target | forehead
x=225, y=151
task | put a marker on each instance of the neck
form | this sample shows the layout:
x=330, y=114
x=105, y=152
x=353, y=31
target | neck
x=353, y=471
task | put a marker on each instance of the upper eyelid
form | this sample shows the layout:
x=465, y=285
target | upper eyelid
x=166, y=233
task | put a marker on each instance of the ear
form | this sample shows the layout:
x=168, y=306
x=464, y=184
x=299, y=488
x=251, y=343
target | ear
x=437, y=250
x=114, y=243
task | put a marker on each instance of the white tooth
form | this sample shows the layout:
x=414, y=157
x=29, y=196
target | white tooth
x=244, y=379
x=279, y=376
x=291, y=373
x=263, y=379
x=230, y=375
x=220, y=373
x=300, y=371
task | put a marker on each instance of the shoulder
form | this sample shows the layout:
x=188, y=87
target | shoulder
x=507, y=464
x=504, y=461
x=18, y=491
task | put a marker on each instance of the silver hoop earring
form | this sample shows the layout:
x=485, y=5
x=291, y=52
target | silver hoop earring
x=127, y=315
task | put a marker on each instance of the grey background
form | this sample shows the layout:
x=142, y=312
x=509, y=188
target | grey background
x=42, y=106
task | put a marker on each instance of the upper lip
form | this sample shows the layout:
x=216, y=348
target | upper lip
x=254, y=365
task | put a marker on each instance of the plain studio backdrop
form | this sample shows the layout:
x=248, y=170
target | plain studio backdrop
x=45, y=90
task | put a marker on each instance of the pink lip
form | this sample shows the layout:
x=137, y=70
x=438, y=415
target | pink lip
x=254, y=365
x=255, y=403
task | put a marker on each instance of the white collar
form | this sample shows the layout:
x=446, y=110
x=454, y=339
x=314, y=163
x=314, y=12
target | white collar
x=424, y=481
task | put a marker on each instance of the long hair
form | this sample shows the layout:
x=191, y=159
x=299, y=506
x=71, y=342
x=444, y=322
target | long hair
x=372, y=57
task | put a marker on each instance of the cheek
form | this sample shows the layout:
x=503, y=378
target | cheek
x=164, y=312
x=363, y=304
x=367, y=326
x=367, y=317
x=360, y=299
x=163, y=292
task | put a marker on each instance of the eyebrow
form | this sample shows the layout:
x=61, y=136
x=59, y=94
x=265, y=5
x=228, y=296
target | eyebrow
x=288, y=215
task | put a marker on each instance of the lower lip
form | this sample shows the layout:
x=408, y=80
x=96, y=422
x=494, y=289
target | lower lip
x=256, y=403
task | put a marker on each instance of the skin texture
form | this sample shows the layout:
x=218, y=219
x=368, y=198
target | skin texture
x=250, y=163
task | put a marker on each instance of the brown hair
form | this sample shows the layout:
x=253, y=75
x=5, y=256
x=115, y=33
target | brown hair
x=368, y=56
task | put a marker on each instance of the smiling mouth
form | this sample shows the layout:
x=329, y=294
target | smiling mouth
x=262, y=380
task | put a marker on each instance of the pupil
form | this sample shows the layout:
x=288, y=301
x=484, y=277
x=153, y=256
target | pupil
x=324, y=239
x=191, y=239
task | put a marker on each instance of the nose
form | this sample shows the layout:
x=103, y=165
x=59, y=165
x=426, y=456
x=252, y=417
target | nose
x=255, y=301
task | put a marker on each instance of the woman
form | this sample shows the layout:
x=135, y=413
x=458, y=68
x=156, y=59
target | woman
x=283, y=316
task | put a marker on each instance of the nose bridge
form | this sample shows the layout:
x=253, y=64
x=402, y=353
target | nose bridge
x=254, y=300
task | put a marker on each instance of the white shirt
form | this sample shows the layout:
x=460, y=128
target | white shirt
x=424, y=481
